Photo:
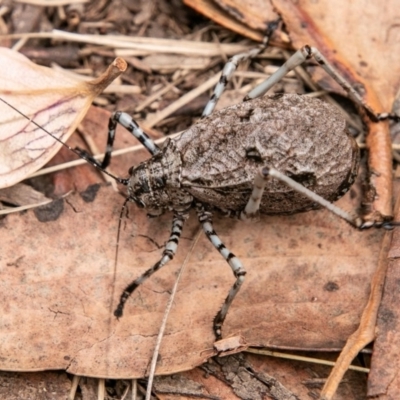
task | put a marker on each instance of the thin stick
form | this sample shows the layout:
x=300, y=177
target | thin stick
x=165, y=317
x=74, y=387
x=134, y=389
x=142, y=45
x=81, y=161
x=101, y=389
x=183, y=100
x=295, y=357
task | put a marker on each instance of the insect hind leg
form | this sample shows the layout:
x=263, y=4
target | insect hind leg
x=168, y=255
x=252, y=207
x=298, y=58
x=235, y=264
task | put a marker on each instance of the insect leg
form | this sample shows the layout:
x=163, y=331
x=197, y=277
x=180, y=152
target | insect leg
x=168, y=255
x=130, y=125
x=253, y=204
x=236, y=265
x=305, y=53
x=260, y=180
x=230, y=68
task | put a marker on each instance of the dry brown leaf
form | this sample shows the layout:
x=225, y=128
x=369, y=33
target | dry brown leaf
x=308, y=280
x=53, y=100
x=252, y=21
x=253, y=13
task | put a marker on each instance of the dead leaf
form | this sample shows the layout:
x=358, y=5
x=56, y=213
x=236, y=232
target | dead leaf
x=247, y=19
x=251, y=13
x=51, y=99
x=307, y=283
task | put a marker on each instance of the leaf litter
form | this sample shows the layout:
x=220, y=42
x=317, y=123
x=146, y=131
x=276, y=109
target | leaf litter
x=233, y=245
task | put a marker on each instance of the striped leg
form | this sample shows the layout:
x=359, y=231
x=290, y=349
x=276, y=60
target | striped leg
x=129, y=124
x=230, y=68
x=233, y=261
x=168, y=255
x=305, y=53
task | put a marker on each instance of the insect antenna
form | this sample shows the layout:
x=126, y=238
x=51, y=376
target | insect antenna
x=80, y=153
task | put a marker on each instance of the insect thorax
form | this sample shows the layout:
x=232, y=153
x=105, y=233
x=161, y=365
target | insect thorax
x=155, y=183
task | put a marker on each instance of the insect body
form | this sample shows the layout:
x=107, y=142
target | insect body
x=215, y=161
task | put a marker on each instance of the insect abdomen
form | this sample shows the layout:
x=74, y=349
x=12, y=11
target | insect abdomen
x=302, y=137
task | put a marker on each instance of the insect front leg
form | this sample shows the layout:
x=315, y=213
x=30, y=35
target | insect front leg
x=130, y=125
x=168, y=255
x=236, y=265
